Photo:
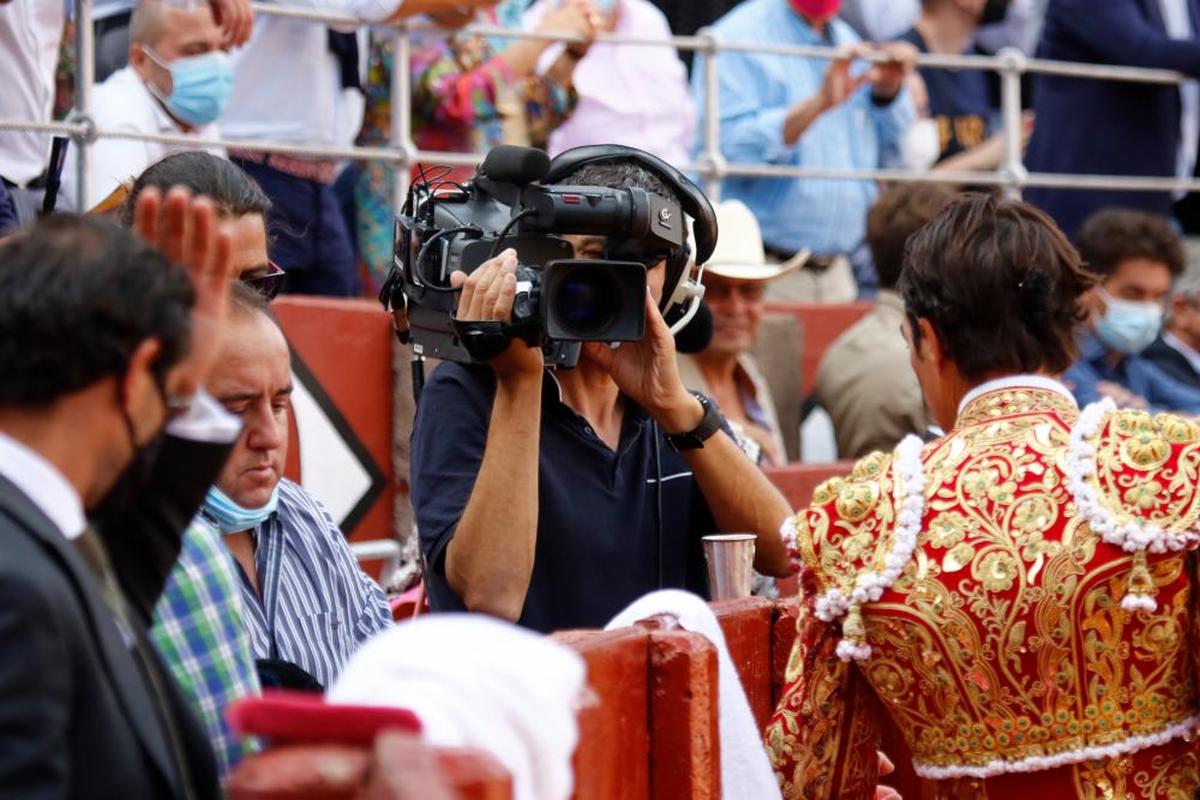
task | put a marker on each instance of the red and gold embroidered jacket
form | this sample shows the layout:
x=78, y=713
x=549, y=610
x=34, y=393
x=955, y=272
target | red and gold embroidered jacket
x=1040, y=637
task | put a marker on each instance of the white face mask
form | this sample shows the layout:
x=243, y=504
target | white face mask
x=921, y=145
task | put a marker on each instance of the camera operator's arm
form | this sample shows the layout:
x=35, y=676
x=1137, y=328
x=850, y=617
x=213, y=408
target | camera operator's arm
x=739, y=495
x=490, y=559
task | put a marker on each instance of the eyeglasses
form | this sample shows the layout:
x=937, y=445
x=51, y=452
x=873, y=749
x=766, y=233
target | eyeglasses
x=268, y=283
x=750, y=291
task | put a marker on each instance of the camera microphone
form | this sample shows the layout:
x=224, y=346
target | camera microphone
x=508, y=163
x=697, y=334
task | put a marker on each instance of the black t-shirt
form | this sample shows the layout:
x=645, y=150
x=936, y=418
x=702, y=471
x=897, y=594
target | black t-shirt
x=598, y=541
x=961, y=100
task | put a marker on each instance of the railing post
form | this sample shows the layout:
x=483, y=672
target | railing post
x=402, y=113
x=712, y=160
x=1013, y=166
x=85, y=77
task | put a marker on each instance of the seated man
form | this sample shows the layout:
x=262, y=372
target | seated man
x=1177, y=351
x=735, y=282
x=178, y=81
x=308, y=605
x=1136, y=255
x=865, y=382
x=556, y=498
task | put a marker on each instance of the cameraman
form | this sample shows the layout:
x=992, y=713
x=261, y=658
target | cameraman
x=556, y=498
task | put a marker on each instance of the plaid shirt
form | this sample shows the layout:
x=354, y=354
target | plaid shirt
x=200, y=630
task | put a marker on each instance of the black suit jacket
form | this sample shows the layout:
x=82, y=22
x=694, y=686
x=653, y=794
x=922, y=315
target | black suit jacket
x=1172, y=362
x=77, y=718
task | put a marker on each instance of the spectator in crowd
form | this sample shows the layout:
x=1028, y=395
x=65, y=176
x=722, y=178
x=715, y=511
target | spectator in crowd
x=178, y=81
x=1136, y=255
x=735, y=281
x=1093, y=126
x=242, y=209
x=287, y=85
x=308, y=605
x=865, y=381
x=881, y=20
x=617, y=103
x=470, y=93
x=650, y=465
x=962, y=105
x=88, y=710
x=687, y=17
x=30, y=33
x=1177, y=351
x=8, y=212
x=814, y=113
x=200, y=624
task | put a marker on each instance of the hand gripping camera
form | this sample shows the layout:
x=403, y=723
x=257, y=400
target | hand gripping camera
x=514, y=201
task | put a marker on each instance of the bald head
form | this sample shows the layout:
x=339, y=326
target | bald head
x=190, y=21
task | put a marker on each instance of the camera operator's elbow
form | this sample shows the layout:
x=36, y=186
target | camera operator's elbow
x=484, y=595
x=773, y=566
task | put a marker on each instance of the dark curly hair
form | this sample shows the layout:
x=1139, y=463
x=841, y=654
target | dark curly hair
x=77, y=297
x=1000, y=284
x=1113, y=235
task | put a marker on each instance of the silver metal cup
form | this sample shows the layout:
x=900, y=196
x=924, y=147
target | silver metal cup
x=730, y=559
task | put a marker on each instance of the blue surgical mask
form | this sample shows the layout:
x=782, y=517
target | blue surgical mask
x=233, y=518
x=1128, y=326
x=200, y=86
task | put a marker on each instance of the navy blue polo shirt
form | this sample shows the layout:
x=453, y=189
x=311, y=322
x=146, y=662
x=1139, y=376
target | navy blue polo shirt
x=598, y=543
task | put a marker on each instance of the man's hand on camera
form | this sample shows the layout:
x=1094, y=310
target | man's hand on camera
x=648, y=373
x=487, y=294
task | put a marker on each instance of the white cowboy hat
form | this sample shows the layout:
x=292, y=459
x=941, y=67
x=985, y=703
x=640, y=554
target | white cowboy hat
x=739, y=252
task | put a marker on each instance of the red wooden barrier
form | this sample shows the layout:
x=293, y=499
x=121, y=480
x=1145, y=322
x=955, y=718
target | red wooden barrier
x=612, y=761
x=685, y=748
x=746, y=624
x=822, y=324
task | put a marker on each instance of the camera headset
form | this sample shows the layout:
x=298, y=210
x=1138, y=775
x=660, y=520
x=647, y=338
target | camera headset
x=682, y=292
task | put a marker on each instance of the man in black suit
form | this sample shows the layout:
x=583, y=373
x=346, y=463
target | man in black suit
x=1177, y=351
x=105, y=344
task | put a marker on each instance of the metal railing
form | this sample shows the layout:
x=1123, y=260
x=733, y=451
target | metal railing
x=402, y=152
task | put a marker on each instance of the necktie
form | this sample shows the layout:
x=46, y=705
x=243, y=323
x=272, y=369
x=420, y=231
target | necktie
x=92, y=549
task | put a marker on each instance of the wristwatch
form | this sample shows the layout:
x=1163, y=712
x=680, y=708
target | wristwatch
x=710, y=423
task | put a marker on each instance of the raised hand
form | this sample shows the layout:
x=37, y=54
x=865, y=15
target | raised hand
x=185, y=230
x=647, y=372
x=887, y=77
x=487, y=295
x=235, y=19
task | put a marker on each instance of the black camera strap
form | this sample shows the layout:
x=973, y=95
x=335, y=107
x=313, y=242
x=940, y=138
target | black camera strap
x=483, y=340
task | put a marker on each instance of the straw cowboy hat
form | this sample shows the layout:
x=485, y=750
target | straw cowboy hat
x=739, y=252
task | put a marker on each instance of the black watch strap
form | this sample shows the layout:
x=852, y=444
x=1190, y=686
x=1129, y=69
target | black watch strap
x=710, y=423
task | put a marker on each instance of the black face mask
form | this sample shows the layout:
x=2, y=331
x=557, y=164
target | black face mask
x=993, y=12
x=136, y=475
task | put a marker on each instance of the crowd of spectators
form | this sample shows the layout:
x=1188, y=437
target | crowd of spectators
x=251, y=583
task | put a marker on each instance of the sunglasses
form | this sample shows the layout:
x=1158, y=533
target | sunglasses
x=268, y=283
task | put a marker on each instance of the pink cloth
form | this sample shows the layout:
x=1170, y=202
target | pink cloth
x=628, y=94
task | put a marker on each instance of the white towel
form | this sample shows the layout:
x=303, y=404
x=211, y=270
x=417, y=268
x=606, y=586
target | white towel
x=477, y=682
x=745, y=771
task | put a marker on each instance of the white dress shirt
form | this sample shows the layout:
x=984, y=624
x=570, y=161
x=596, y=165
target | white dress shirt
x=286, y=82
x=124, y=103
x=44, y=485
x=39, y=480
x=30, y=32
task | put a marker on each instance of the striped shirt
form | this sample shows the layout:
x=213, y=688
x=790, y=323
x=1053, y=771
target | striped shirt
x=756, y=92
x=316, y=606
x=200, y=631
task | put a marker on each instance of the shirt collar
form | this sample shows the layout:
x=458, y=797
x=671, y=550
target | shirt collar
x=1181, y=347
x=44, y=485
x=1014, y=381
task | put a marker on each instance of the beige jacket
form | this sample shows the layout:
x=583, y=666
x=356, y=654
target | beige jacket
x=867, y=385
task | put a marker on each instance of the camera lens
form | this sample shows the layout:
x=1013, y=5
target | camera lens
x=587, y=300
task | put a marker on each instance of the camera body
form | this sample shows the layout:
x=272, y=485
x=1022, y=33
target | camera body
x=561, y=300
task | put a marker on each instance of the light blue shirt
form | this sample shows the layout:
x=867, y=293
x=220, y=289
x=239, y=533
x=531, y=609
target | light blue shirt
x=757, y=91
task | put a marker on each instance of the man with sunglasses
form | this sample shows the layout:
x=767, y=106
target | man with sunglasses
x=1137, y=256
